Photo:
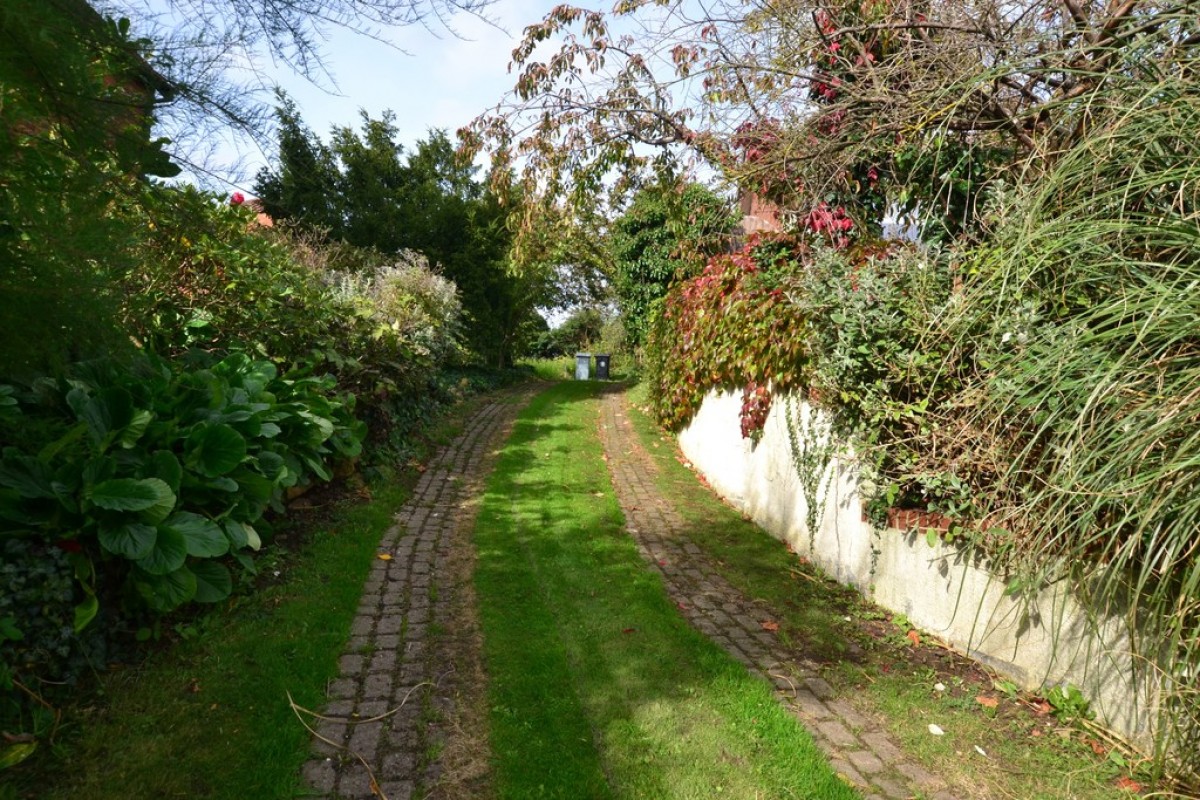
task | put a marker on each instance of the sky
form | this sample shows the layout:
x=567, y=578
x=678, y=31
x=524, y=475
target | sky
x=440, y=80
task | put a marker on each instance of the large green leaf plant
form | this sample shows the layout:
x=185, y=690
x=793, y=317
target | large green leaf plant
x=160, y=473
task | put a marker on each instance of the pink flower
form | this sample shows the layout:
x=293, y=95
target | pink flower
x=236, y=199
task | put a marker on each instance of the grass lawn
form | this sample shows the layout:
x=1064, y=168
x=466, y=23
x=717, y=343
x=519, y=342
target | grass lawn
x=871, y=661
x=598, y=687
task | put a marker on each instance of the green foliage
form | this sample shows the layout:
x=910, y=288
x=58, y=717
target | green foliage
x=206, y=279
x=1086, y=303
x=237, y=737
x=1068, y=704
x=577, y=333
x=211, y=279
x=363, y=189
x=132, y=488
x=664, y=237
x=299, y=190
x=883, y=361
x=37, y=614
x=160, y=469
x=73, y=142
x=411, y=309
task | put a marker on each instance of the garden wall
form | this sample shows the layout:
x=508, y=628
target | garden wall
x=939, y=588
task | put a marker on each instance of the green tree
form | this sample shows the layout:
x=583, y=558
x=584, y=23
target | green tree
x=375, y=195
x=664, y=237
x=76, y=104
x=299, y=189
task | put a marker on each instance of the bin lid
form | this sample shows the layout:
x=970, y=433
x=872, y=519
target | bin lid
x=602, y=355
x=583, y=355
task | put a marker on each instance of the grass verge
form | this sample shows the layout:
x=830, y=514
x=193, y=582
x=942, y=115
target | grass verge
x=208, y=716
x=598, y=687
x=868, y=655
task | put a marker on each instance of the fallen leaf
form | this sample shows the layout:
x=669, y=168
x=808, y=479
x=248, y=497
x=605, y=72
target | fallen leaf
x=1042, y=708
x=936, y=730
x=981, y=751
x=914, y=637
x=384, y=556
x=1036, y=732
x=1097, y=748
x=1128, y=784
x=770, y=625
x=628, y=630
x=939, y=687
x=987, y=702
x=193, y=686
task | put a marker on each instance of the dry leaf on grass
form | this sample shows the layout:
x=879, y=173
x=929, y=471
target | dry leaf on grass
x=1128, y=784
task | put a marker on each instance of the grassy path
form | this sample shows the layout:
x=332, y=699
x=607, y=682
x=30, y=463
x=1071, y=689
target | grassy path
x=598, y=687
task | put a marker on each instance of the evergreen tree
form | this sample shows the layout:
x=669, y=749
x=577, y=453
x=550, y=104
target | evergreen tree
x=364, y=189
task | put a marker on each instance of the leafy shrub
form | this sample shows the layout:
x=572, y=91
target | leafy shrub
x=208, y=278
x=159, y=472
x=664, y=237
x=37, y=616
x=72, y=145
x=416, y=311
x=884, y=360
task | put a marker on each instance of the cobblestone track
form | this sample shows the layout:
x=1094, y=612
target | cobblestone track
x=394, y=663
x=858, y=750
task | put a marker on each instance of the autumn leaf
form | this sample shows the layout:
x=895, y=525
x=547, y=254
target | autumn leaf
x=384, y=556
x=987, y=702
x=1128, y=784
x=914, y=637
x=770, y=625
x=1097, y=748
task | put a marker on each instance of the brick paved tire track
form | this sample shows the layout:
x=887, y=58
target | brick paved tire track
x=411, y=639
x=858, y=749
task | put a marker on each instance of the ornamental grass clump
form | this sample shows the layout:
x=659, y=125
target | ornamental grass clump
x=1091, y=284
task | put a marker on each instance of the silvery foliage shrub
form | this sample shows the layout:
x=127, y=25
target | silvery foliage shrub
x=407, y=301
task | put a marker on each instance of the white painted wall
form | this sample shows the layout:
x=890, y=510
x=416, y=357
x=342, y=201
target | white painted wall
x=940, y=589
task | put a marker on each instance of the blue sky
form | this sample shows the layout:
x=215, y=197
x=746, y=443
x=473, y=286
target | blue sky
x=439, y=80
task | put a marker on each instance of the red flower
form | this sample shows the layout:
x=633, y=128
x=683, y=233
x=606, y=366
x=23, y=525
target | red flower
x=236, y=199
x=69, y=546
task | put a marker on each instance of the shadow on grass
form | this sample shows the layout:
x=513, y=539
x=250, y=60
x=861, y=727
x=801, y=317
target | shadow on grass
x=599, y=688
